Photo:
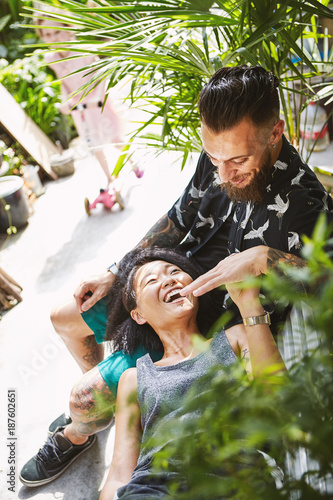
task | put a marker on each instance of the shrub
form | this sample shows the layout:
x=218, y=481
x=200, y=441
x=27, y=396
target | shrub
x=34, y=87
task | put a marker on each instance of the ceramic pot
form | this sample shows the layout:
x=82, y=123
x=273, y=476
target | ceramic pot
x=13, y=196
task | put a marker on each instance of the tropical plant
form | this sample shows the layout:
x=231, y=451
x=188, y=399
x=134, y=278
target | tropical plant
x=13, y=38
x=34, y=87
x=10, y=160
x=12, y=8
x=170, y=48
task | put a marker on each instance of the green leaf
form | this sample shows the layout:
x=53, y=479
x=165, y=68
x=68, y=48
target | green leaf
x=3, y=21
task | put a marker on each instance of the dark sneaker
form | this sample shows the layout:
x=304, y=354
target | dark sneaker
x=53, y=459
x=61, y=421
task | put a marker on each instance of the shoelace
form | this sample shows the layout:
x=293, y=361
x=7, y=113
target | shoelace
x=49, y=452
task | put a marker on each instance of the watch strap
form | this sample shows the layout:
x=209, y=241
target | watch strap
x=264, y=319
x=113, y=269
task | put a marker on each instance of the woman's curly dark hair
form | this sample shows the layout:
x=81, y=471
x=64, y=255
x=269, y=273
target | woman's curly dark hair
x=123, y=332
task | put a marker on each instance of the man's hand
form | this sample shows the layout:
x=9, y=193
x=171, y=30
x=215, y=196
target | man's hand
x=237, y=267
x=91, y=291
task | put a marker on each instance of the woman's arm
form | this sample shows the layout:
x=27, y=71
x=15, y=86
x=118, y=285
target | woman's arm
x=127, y=437
x=258, y=339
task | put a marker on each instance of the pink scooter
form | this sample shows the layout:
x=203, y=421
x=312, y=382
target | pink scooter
x=109, y=197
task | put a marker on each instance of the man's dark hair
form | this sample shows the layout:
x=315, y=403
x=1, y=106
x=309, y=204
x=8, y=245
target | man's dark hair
x=233, y=94
x=123, y=332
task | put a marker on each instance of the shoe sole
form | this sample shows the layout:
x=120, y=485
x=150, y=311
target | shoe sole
x=34, y=484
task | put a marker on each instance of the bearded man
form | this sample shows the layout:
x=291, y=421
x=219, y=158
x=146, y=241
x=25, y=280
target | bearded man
x=245, y=210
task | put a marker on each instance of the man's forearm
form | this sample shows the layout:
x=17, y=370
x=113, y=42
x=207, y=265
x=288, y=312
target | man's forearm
x=163, y=234
x=277, y=257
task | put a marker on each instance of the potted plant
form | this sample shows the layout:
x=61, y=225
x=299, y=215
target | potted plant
x=14, y=207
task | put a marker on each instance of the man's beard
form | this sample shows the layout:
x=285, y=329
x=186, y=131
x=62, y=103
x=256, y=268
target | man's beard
x=256, y=190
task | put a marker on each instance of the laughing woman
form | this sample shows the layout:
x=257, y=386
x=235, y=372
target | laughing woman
x=151, y=312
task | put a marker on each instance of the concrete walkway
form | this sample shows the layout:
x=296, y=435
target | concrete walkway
x=60, y=246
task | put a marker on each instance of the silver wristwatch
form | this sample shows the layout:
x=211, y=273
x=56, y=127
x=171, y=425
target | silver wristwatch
x=113, y=269
x=265, y=319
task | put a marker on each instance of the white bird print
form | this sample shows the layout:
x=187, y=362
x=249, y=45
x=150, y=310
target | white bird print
x=196, y=193
x=217, y=181
x=324, y=200
x=280, y=165
x=233, y=253
x=257, y=233
x=205, y=221
x=249, y=208
x=298, y=177
x=280, y=207
x=191, y=239
x=179, y=212
x=224, y=218
x=294, y=241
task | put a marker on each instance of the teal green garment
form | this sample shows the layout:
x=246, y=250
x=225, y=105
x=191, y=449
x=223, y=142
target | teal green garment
x=96, y=319
x=114, y=365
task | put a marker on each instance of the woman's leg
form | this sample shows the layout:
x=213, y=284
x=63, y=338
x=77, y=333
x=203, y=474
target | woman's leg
x=104, y=164
x=91, y=407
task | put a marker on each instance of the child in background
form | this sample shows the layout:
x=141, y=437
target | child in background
x=97, y=127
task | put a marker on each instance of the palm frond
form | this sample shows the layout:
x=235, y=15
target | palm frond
x=165, y=46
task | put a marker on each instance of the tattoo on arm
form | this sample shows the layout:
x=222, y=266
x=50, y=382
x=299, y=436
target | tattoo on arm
x=276, y=257
x=164, y=234
x=245, y=358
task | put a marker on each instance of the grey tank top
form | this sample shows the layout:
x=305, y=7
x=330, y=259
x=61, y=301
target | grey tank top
x=161, y=389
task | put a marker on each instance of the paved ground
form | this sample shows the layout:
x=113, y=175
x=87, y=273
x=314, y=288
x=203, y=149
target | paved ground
x=59, y=247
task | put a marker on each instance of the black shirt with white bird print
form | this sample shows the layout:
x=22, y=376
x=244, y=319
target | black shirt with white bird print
x=217, y=227
x=290, y=208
